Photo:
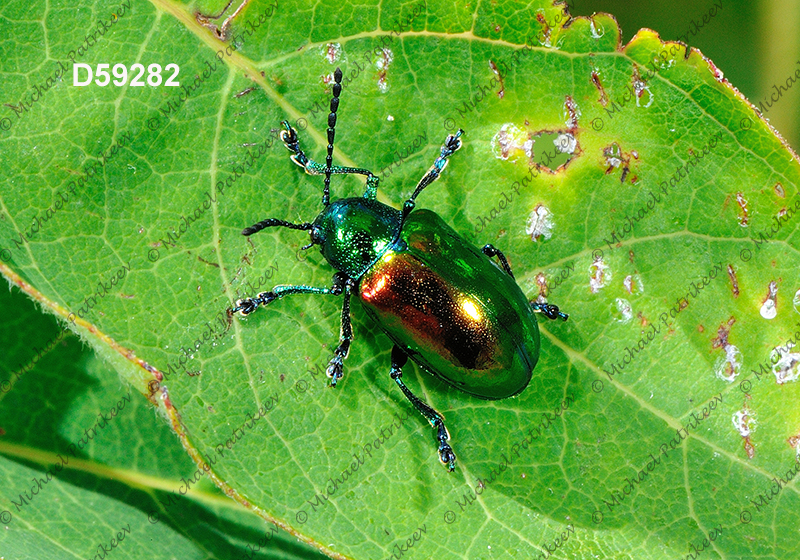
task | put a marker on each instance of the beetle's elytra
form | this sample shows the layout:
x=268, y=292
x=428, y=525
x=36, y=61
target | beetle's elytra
x=443, y=302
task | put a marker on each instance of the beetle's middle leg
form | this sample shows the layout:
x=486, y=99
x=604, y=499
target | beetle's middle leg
x=335, y=366
x=446, y=455
x=491, y=251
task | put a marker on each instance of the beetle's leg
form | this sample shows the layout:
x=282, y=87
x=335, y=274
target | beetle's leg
x=246, y=306
x=451, y=144
x=335, y=366
x=491, y=251
x=549, y=310
x=446, y=455
x=289, y=137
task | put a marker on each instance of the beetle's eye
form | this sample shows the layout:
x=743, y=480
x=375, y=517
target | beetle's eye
x=315, y=237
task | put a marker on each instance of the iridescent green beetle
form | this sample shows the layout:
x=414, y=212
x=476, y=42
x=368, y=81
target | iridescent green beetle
x=443, y=302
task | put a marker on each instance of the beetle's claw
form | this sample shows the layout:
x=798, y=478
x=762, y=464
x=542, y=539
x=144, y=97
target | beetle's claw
x=288, y=135
x=335, y=369
x=245, y=306
x=453, y=143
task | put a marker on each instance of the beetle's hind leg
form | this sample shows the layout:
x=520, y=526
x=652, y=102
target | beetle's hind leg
x=446, y=455
x=549, y=310
x=336, y=365
x=491, y=251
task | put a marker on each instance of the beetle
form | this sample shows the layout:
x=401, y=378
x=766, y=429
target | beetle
x=445, y=304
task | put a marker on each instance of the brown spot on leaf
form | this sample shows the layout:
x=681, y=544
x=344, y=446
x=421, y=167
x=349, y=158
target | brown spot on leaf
x=541, y=282
x=600, y=88
x=502, y=91
x=744, y=421
x=734, y=281
x=744, y=217
x=794, y=441
x=201, y=259
x=722, y=334
x=572, y=121
x=727, y=367
x=244, y=92
x=617, y=158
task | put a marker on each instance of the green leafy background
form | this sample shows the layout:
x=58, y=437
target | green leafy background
x=277, y=468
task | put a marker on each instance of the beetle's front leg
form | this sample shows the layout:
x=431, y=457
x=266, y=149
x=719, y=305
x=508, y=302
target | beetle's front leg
x=290, y=140
x=451, y=144
x=336, y=365
x=446, y=455
x=246, y=306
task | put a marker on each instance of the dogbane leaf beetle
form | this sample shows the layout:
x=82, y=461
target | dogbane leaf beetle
x=442, y=302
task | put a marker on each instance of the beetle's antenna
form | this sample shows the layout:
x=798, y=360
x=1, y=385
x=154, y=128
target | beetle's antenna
x=337, y=89
x=270, y=222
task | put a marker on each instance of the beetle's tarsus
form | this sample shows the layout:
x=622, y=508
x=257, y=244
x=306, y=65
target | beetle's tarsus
x=446, y=455
x=289, y=137
x=247, y=305
x=549, y=310
x=453, y=141
x=335, y=369
x=341, y=284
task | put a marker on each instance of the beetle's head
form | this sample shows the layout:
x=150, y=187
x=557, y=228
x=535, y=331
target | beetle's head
x=353, y=232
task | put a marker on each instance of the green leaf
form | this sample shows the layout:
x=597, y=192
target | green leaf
x=612, y=249
x=106, y=465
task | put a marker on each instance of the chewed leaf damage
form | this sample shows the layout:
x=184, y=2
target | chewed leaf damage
x=540, y=223
x=550, y=149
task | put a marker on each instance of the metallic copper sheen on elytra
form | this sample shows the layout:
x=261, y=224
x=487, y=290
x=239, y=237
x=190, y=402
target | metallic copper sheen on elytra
x=452, y=310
